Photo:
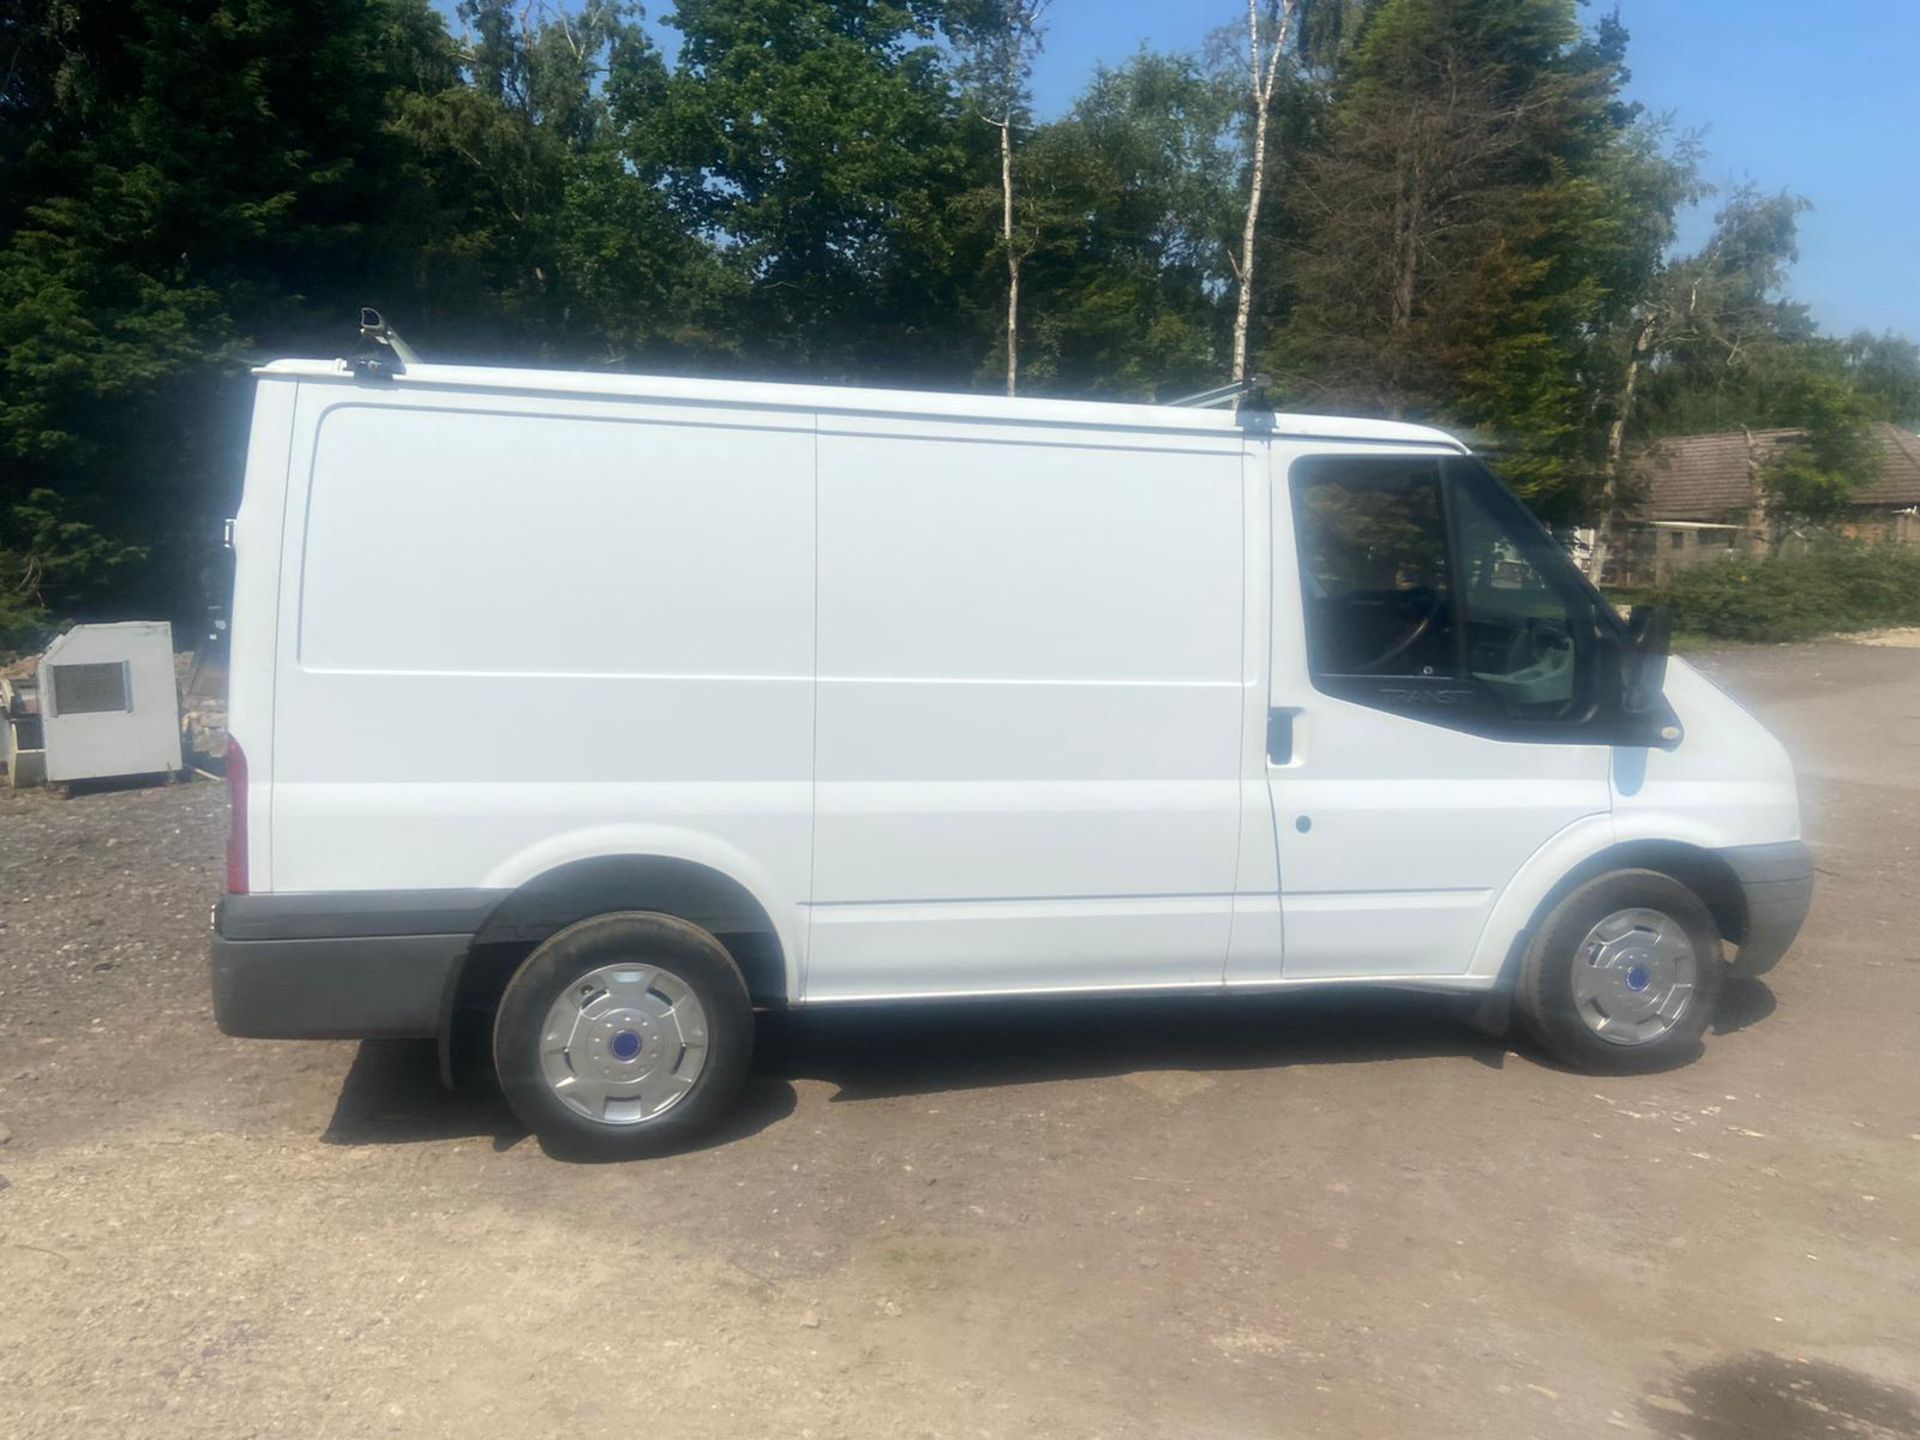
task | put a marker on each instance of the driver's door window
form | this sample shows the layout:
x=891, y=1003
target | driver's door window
x=1429, y=590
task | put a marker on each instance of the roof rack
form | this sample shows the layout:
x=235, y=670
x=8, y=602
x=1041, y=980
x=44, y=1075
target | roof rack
x=1222, y=394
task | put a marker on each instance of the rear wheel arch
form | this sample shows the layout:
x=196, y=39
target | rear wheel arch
x=543, y=906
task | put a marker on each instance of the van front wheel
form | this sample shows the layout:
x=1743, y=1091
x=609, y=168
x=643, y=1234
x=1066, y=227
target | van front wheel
x=624, y=1035
x=1622, y=975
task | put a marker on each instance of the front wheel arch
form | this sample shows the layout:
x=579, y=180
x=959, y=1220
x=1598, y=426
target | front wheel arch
x=1705, y=873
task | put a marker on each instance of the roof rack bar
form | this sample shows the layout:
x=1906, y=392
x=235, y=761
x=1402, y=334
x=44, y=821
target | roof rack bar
x=1222, y=394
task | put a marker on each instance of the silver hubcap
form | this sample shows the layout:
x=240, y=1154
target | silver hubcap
x=1633, y=976
x=624, y=1043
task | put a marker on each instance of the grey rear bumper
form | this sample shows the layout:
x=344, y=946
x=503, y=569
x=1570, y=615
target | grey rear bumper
x=339, y=967
x=1777, y=882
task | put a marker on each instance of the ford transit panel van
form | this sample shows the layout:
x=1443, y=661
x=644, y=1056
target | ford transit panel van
x=587, y=713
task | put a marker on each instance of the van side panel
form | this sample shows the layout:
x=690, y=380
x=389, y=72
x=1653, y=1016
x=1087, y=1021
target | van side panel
x=1030, y=710
x=515, y=636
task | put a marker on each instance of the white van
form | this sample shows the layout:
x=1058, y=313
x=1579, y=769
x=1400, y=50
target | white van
x=603, y=709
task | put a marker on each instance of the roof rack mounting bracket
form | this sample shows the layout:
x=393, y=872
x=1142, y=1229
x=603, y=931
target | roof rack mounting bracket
x=374, y=368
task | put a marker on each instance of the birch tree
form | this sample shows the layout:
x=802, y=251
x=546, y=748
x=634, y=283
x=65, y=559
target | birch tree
x=1268, y=28
x=1001, y=37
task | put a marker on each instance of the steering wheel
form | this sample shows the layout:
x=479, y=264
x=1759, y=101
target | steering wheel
x=1424, y=602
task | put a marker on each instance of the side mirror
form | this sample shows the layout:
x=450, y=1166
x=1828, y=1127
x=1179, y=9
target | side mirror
x=1645, y=717
x=1646, y=663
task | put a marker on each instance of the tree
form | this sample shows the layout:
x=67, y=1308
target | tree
x=999, y=40
x=819, y=147
x=551, y=230
x=1731, y=350
x=1470, y=222
x=1133, y=201
x=184, y=178
x=1659, y=181
x=55, y=555
x=1728, y=338
x=1815, y=477
x=1885, y=370
x=1275, y=25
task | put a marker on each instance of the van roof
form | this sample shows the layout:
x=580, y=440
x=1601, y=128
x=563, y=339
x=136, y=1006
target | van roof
x=930, y=404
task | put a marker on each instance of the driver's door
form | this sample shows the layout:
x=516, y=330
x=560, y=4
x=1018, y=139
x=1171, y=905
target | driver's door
x=1431, y=662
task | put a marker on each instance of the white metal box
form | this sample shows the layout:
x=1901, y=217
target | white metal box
x=109, y=703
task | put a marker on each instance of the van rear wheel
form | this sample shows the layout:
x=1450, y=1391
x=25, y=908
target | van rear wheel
x=1622, y=975
x=623, y=1036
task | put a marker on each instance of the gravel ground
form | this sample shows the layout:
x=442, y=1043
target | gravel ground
x=1333, y=1216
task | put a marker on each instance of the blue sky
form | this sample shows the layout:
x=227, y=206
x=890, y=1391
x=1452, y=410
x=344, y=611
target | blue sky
x=1822, y=101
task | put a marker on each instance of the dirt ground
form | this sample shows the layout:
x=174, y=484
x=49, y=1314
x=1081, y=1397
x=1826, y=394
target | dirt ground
x=1329, y=1217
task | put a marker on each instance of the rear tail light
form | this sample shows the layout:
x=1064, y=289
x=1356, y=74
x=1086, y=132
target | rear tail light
x=236, y=818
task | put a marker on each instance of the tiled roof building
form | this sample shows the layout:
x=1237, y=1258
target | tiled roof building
x=1693, y=496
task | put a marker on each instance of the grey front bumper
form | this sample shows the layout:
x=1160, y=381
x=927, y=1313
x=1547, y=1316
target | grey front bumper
x=1777, y=882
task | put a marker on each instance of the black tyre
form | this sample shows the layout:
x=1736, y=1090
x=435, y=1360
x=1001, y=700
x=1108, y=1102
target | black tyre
x=1622, y=975
x=625, y=1035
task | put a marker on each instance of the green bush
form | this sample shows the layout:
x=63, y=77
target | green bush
x=1796, y=596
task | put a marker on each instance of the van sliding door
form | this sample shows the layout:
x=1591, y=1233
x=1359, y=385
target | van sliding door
x=1030, y=709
